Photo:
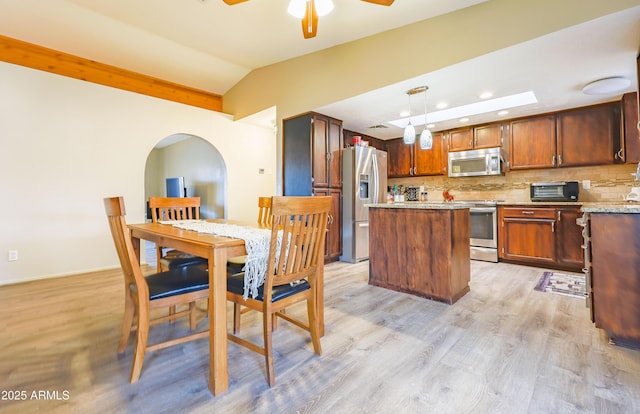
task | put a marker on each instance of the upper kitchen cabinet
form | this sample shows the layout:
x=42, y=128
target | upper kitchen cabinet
x=312, y=145
x=410, y=160
x=478, y=137
x=399, y=158
x=631, y=134
x=532, y=143
x=588, y=136
x=431, y=161
x=488, y=136
x=460, y=139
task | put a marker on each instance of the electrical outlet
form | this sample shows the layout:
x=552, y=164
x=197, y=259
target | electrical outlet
x=586, y=184
x=13, y=255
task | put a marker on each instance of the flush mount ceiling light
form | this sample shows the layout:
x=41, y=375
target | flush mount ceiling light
x=310, y=10
x=606, y=86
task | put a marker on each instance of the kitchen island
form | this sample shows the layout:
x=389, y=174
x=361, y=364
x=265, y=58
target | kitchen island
x=612, y=260
x=420, y=248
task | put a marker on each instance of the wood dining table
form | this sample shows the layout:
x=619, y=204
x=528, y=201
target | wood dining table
x=216, y=249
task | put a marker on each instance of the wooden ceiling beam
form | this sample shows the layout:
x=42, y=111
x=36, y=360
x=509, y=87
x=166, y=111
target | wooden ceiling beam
x=49, y=60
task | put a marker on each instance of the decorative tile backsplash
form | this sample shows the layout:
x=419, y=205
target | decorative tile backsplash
x=607, y=183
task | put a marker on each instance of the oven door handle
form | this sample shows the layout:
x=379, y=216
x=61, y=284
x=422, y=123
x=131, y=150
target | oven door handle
x=482, y=209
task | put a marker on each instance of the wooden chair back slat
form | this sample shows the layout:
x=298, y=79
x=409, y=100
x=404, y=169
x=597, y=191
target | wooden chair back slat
x=174, y=208
x=303, y=222
x=264, y=211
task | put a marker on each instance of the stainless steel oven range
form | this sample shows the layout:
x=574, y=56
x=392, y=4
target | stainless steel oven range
x=484, y=230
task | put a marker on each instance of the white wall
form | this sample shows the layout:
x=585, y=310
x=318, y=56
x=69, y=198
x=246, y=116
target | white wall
x=66, y=144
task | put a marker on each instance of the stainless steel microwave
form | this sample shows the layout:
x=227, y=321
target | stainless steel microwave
x=475, y=162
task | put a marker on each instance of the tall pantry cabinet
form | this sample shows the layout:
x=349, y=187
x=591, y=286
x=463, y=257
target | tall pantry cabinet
x=312, y=165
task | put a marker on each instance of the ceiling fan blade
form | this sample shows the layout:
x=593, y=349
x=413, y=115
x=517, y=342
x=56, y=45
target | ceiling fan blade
x=310, y=21
x=380, y=2
x=232, y=2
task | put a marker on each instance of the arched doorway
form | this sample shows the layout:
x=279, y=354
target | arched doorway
x=203, y=169
x=201, y=165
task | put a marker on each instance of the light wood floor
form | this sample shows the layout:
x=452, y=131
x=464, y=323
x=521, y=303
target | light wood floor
x=503, y=348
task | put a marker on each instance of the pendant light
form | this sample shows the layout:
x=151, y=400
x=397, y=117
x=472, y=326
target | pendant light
x=426, y=138
x=410, y=131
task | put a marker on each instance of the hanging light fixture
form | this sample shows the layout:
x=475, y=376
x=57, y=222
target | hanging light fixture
x=410, y=131
x=426, y=138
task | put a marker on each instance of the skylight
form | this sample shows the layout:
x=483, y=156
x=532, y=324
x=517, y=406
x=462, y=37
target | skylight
x=482, y=107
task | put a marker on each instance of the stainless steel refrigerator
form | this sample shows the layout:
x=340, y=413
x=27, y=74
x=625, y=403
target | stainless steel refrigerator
x=364, y=181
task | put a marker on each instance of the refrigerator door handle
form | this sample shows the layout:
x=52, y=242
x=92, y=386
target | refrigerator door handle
x=376, y=184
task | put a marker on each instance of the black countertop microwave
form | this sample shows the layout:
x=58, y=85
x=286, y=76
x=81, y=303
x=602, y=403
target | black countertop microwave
x=556, y=191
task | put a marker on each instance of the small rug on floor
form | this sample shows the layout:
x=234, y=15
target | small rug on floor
x=567, y=284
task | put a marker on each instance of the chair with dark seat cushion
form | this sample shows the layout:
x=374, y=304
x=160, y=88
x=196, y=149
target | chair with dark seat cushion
x=236, y=263
x=300, y=223
x=163, y=290
x=172, y=209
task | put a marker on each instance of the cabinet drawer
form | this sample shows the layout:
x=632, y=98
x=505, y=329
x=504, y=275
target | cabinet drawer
x=525, y=212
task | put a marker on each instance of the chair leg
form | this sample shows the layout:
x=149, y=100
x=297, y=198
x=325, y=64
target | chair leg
x=268, y=348
x=127, y=323
x=237, y=311
x=314, y=328
x=142, y=337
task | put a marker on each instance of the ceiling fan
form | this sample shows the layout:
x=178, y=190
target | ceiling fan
x=307, y=11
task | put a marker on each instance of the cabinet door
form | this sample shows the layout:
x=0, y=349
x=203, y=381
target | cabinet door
x=588, y=136
x=527, y=234
x=399, y=158
x=569, y=238
x=460, y=139
x=532, y=143
x=319, y=132
x=487, y=136
x=631, y=133
x=429, y=162
x=334, y=148
x=333, y=241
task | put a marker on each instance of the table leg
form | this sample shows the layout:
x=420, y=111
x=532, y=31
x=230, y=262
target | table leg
x=218, y=374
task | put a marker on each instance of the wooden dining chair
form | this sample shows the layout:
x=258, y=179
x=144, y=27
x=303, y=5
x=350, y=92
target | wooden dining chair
x=178, y=286
x=172, y=209
x=235, y=264
x=300, y=223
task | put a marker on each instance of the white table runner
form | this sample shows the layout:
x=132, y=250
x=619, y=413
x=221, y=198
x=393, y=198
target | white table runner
x=256, y=243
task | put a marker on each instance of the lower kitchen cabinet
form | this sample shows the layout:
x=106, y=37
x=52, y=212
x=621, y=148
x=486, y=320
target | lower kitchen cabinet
x=333, y=242
x=542, y=236
x=569, y=238
x=615, y=280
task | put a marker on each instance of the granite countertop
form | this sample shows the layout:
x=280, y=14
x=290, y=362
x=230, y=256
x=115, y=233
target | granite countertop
x=617, y=207
x=421, y=205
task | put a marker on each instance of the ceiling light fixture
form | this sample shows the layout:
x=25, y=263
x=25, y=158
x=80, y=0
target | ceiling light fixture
x=297, y=8
x=606, y=86
x=482, y=107
x=409, y=135
x=426, y=138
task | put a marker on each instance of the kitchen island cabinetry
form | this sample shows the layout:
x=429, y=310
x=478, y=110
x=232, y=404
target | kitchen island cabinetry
x=545, y=236
x=421, y=249
x=614, y=242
